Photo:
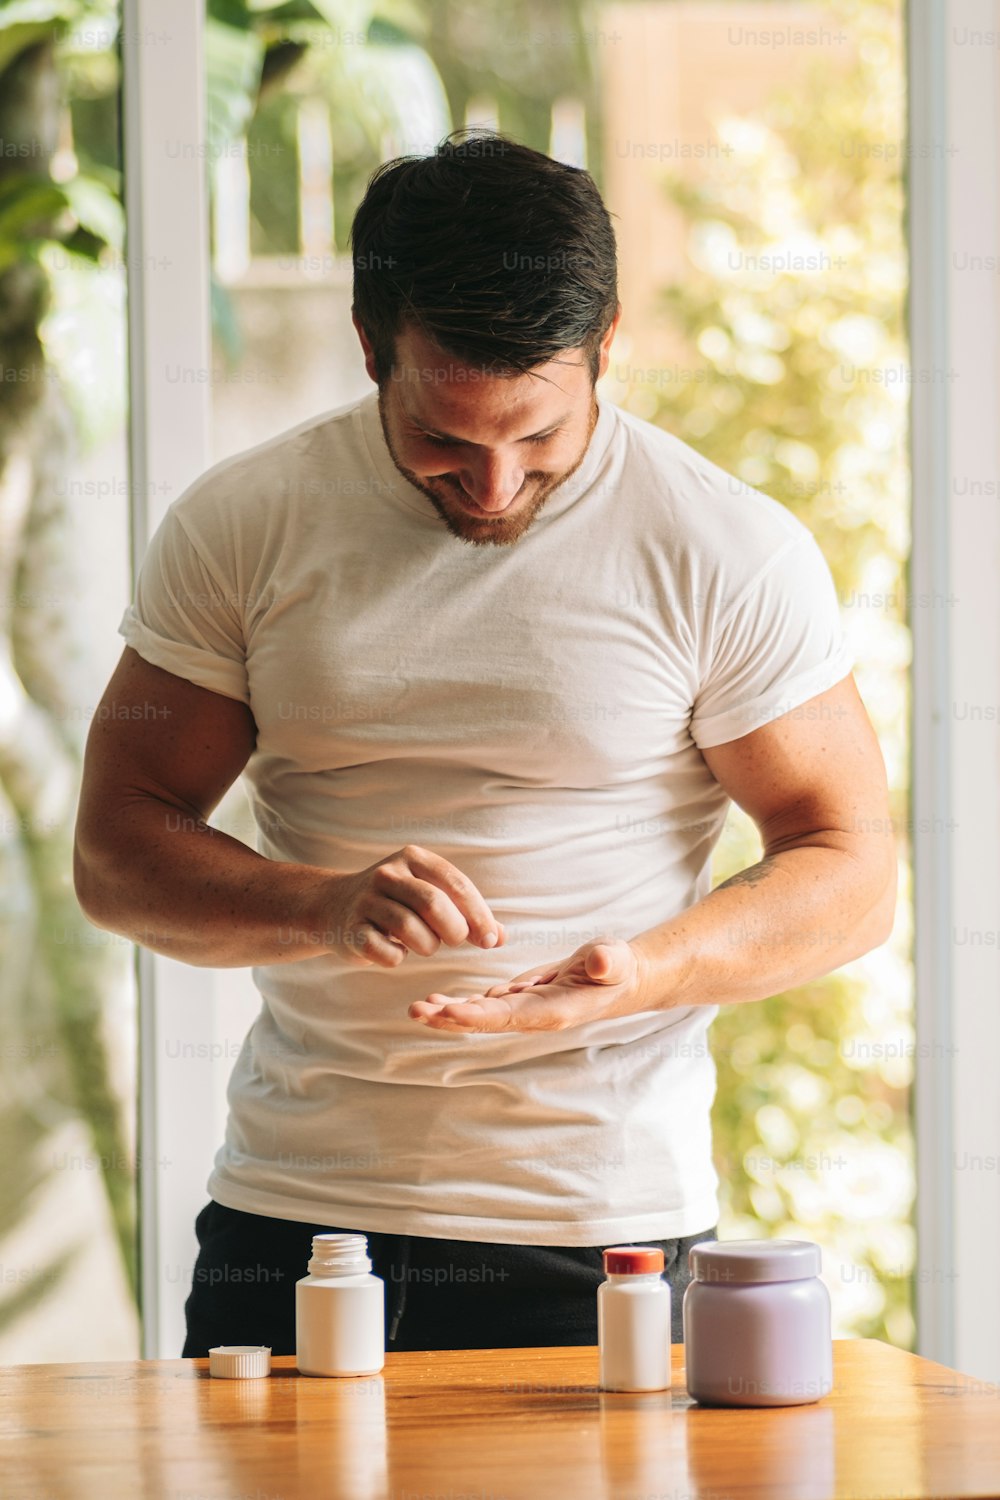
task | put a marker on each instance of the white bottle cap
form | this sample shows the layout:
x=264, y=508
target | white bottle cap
x=239, y=1361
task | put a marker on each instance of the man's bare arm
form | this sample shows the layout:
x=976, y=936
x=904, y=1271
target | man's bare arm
x=825, y=890
x=160, y=755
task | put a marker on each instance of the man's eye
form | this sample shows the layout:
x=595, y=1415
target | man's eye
x=439, y=442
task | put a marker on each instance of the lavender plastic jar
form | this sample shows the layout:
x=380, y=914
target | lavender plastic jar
x=757, y=1324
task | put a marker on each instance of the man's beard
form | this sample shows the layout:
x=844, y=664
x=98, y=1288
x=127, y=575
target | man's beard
x=478, y=531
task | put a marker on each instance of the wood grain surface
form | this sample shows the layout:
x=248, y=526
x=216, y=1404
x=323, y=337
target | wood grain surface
x=505, y=1424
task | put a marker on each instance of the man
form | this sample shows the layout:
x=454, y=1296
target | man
x=493, y=656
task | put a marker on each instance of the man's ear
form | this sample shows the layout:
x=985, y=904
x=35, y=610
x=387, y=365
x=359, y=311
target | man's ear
x=366, y=345
x=607, y=341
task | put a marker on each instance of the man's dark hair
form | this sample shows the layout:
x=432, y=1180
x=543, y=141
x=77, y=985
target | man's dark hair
x=501, y=256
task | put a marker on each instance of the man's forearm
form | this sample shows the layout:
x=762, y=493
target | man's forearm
x=792, y=917
x=172, y=883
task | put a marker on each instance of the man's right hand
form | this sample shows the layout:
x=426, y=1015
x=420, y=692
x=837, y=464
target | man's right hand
x=410, y=902
x=160, y=755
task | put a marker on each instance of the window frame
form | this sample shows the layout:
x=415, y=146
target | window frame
x=167, y=263
x=954, y=204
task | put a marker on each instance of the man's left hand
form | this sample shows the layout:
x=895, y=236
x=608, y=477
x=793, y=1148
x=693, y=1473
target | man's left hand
x=604, y=977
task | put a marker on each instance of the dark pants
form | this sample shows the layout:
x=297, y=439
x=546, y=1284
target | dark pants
x=440, y=1294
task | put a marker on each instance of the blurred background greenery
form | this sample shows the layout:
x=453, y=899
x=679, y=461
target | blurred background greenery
x=793, y=306
x=777, y=349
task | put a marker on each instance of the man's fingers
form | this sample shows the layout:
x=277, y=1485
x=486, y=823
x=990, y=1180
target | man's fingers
x=523, y=981
x=543, y=998
x=518, y=1012
x=463, y=894
x=480, y=1012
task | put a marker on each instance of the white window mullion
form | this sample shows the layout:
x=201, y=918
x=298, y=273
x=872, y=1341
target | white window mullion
x=954, y=214
x=170, y=360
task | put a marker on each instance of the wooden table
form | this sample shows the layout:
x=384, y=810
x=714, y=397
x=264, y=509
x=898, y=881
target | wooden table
x=503, y=1424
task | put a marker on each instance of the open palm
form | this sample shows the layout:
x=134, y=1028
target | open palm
x=603, y=978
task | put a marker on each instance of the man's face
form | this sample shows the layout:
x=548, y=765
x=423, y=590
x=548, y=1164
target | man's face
x=486, y=451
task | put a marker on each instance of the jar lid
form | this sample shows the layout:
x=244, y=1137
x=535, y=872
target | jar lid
x=729, y=1262
x=634, y=1259
x=239, y=1361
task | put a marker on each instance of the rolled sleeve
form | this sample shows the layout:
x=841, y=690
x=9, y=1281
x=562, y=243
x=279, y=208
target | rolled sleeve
x=186, y=618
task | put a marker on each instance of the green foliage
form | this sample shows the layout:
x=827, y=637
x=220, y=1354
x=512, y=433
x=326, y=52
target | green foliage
x=233, y=61
x=36, y=212
x=380, y=64
x=792, y=312
x=56, y=223
x=525, y=55
x=25, y=23
x=274, y=190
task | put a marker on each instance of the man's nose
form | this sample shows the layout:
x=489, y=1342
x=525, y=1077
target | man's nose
x=492, y=481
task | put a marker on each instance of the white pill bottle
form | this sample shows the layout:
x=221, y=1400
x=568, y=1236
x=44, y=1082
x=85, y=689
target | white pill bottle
x=340, y=1310
x=633, y=1320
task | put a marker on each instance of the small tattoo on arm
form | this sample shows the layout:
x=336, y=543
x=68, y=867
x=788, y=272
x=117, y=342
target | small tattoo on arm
x=753, y=875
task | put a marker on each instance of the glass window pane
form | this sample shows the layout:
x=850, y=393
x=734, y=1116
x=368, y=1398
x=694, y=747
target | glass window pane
x=67, y=1003
x=752, y=155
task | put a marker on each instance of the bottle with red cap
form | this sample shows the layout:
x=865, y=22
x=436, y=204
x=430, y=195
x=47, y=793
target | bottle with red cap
x=633, y=1320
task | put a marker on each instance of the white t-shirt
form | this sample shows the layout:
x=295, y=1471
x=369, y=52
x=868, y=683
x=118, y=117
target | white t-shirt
x=534, y=714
